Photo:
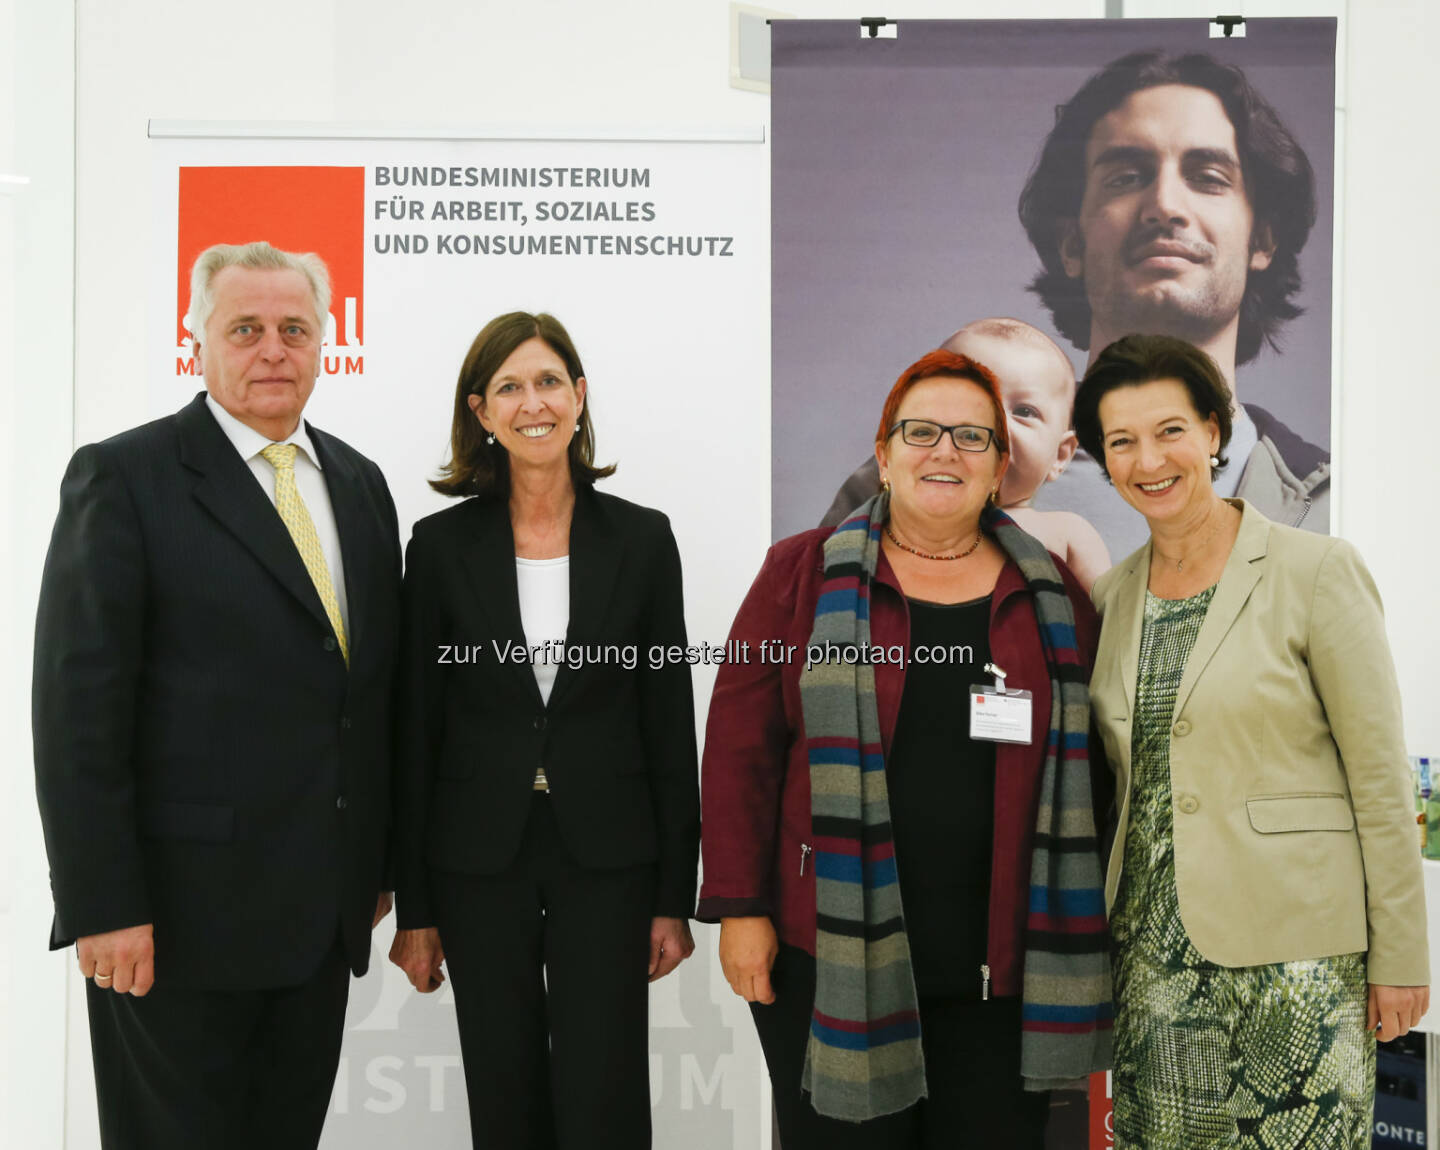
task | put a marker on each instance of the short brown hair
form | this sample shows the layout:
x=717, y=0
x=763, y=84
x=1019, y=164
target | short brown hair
x=1137, y=359
x=480, y=468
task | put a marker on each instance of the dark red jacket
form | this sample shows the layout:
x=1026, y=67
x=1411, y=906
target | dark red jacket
x=755, y=777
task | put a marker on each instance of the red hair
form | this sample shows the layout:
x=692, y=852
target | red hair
x=954, y=366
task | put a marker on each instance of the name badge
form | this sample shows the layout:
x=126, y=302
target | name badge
x=999, y=715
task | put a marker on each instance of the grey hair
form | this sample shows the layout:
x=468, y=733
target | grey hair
x=259, y=255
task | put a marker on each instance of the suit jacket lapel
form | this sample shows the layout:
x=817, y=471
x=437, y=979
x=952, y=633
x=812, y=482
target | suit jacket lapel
x=352, y=518
x=594, y=564
x=488, y=552
x=226, y=487
x=1242, y=571
x=1129, y=617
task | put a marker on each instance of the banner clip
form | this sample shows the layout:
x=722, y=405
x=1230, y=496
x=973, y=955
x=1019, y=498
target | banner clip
x=874, y=26
x=1229, y=23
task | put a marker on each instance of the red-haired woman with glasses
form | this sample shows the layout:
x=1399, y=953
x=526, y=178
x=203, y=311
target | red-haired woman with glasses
x=905, y=869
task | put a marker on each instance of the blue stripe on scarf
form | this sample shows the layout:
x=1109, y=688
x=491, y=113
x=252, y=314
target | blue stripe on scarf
x=847, y=868
x=851, y=1040
x=1051, y=1012
x=1071, y=903
x=1061, y=635
x=845, y=599
x=845, y=757
x=841, y=756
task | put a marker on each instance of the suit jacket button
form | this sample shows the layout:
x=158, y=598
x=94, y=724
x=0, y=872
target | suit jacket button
x=1181, y=728
x=1189, y=804
x=340, y=803
x=539, y=722
x=345, y=723
x=331, y=643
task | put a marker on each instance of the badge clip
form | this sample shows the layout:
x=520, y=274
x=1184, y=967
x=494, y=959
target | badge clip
x=998, y=714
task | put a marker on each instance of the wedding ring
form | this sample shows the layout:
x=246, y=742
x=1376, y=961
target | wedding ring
x=104, y=978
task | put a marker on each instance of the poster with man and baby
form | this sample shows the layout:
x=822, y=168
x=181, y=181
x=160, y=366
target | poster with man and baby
x=1024, y=193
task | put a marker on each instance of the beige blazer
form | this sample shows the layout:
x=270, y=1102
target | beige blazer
x=1294, y=813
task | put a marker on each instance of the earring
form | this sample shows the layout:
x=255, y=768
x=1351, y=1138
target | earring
x=490, y=439
x=884, y=483
x=1214, y=461
x=993, y=492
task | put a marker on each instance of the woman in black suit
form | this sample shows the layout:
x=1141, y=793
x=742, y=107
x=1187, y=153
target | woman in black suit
x=547, y=803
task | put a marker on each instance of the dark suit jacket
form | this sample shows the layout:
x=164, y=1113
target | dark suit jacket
x=618, y=745
x=204, y=760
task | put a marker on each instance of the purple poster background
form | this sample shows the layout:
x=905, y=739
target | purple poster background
x=897, y=166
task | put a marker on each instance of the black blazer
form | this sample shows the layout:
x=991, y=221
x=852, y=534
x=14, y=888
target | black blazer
x=203, y=757
x=618, y=745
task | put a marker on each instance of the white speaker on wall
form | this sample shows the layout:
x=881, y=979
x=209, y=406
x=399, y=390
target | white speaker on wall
x=750, y=46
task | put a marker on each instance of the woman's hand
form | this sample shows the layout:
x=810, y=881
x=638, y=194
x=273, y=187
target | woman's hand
x=1396, y=1009
x=748, y=947
x=670, y=945
x=419, y=954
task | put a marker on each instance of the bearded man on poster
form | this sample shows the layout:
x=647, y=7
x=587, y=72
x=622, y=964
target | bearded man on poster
x=1170, y=199
x=213, y=657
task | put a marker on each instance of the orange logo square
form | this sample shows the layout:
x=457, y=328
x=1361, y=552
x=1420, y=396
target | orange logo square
x=299, y=209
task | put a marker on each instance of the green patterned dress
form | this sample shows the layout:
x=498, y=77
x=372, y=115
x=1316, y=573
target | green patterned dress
x=1260, y=1058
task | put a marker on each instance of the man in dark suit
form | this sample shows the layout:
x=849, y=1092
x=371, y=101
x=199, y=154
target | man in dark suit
x=213, y=658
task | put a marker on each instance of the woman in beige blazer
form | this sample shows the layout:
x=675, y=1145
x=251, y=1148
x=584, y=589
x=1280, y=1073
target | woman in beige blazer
x=1265, y=889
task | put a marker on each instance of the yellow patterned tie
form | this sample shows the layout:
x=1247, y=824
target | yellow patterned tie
x=281, y=456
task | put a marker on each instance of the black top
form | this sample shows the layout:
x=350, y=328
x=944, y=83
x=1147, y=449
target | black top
x=942, y=798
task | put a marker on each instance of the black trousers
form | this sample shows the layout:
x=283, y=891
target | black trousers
x=548, y=961
x=972, y=1070
x=218, y=1070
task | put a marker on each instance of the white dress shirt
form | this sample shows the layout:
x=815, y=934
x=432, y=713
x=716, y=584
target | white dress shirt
x=544, y=593
x=308, y=478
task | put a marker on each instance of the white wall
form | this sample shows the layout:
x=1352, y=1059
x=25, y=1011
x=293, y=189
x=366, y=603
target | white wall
x=37, y=114
x=1389, y=399
x=543, y=64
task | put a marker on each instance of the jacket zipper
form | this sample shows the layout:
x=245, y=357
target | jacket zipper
x=1304, y=511
x=805, y=851
x=984, y=982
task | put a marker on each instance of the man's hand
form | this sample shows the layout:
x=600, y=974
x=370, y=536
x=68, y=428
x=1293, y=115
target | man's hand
x=670, y=945
x=120, y=960
x=382, y=907
x=748, y=947
x=1395, y=1009
x=419, y=954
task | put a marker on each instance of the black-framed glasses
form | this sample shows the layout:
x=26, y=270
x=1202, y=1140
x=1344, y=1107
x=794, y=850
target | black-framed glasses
x=927, y=433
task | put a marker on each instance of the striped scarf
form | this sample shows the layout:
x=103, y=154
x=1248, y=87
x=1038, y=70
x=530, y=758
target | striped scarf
x=864, y=1057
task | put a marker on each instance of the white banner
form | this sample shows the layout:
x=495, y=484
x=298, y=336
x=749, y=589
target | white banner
x=655, y=255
